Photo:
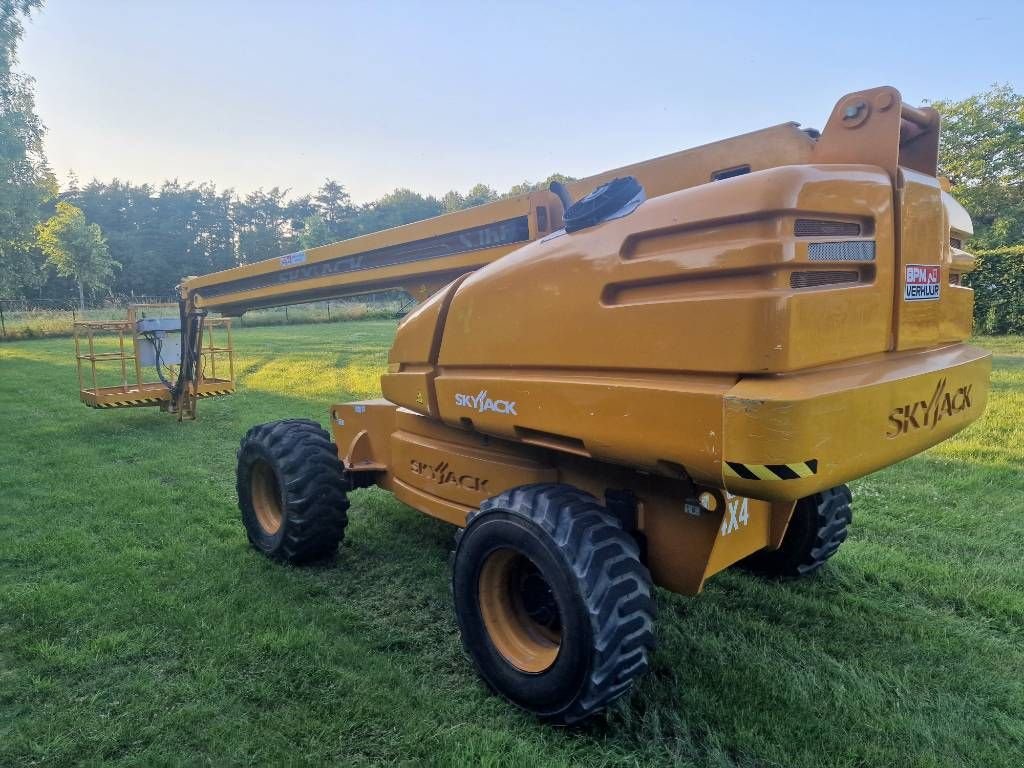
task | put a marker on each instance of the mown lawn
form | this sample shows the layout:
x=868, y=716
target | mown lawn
x=138, y=628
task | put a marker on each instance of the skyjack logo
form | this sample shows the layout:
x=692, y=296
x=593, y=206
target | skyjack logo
x=481, y=403
x=442, y=474
x=928, y=413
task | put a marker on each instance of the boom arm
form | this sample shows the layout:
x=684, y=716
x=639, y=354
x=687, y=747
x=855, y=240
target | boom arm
x=422, y=257
x=419, y=258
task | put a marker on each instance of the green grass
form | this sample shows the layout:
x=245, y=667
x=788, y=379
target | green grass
x=138, y=628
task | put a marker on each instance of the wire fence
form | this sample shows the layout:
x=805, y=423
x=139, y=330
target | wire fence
x=41, y=318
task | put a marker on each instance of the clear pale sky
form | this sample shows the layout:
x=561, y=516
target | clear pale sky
x=439, y=95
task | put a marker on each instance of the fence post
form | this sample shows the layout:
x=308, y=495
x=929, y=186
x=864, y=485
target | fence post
x=328, y=311
x=286, y=315
x=3, y=325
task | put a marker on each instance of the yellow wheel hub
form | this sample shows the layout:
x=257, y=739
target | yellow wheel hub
x=266, y=497
x=519, y=611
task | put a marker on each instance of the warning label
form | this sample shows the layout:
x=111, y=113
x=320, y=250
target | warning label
x=922, y=283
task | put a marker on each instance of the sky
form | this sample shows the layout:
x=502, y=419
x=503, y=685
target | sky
x=441, y=95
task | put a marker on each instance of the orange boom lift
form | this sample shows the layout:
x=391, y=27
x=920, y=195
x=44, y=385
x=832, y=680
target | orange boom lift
x=641, y=378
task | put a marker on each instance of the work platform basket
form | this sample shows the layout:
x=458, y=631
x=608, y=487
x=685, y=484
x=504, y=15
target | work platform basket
x=120, y=364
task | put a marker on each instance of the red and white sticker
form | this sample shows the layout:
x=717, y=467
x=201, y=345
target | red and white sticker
x=922, y=283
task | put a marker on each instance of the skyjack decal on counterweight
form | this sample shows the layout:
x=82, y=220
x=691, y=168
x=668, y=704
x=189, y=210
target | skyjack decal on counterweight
x=928, y=413
x=499, y=233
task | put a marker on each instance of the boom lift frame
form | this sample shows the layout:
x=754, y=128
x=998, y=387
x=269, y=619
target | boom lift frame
x=651, y=393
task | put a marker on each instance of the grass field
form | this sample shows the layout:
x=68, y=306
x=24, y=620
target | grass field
x=138, y=628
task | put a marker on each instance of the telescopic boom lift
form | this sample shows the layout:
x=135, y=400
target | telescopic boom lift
x=640, y=378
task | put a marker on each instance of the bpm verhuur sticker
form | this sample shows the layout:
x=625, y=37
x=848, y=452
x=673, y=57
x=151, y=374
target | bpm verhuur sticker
x=922, y=283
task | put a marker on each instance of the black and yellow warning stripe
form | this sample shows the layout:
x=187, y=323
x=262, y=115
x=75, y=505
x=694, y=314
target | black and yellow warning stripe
x=216, y=392
x=126, y=403
x=139, y=401
x=790, y=471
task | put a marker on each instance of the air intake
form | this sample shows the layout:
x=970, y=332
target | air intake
x=816, y=228
x=729, y=173
x=819, y=278
x=849, y=250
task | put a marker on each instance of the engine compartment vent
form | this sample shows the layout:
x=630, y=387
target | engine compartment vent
x=847, y=250
x=819, y=228
x=819, y=278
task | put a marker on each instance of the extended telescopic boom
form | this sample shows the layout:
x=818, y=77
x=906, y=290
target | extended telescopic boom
x=422, y=257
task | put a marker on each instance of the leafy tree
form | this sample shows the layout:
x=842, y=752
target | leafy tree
x=315, y=231
x=982, y=154
x=194, y=229
x=526, y=186
x=478, y=195
x=333, y=205
x=127, y=214
x=76, y=249
x=26, y=182
x=263, y=222
x=296, y=212
x=159, y=235
x=403, y=206
x=332, y=217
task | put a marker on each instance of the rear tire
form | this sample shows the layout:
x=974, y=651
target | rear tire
x=819, y=525
x=554, y=606
x=291, y=490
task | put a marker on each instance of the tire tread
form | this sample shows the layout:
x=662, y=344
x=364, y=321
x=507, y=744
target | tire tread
x=815, y=537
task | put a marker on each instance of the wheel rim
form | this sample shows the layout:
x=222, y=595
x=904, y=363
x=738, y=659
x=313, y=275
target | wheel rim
x=519, y=611
x=266, y=497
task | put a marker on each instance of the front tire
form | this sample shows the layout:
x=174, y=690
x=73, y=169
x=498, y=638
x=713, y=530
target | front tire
x=554, y=606
x=291, y=490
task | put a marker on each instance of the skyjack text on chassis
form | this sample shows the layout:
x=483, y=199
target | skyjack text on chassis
x=674, y=374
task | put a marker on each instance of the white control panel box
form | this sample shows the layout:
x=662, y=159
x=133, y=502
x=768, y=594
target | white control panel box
x=163, y=333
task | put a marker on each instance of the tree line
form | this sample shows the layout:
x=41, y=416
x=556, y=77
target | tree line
x=157, y=235
x=101, y=239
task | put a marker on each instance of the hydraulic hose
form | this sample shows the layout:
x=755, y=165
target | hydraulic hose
x=191, y=341
x=562, y=193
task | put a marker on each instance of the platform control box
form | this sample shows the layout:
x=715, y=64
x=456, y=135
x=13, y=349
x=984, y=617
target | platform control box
x=159, y=334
